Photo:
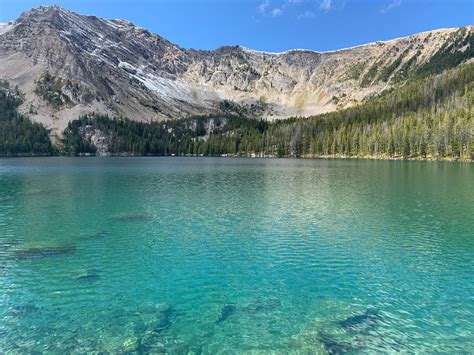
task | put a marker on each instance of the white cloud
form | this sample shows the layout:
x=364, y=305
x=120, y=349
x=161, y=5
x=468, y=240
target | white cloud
x=277, y=12
x=262, y=8
x=391, y=6
x=306, y=8
x=325, y=5
x=307, y=14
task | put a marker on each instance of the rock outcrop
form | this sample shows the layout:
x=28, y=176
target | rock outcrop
x=112, y=66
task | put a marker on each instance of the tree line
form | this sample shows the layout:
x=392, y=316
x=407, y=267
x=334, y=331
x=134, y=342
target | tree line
x=424, y=118
x=19, y=135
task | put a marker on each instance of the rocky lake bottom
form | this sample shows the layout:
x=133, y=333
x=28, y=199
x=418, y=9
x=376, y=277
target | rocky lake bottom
x=221, y=255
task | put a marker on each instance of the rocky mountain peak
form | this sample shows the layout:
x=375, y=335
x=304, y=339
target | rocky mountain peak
x=69, y=64
x=49, y=11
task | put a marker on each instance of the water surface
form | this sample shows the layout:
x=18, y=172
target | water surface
x=213, y=255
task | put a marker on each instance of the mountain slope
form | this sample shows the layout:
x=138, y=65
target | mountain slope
x=18, y=135
x=429, y=118
x=68, y=64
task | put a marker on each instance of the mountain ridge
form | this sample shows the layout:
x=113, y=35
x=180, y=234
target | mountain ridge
x=125, y=21
x=69, y=65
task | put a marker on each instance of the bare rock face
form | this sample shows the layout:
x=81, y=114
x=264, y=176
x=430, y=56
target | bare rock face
x=113, y=67
x=98, y=138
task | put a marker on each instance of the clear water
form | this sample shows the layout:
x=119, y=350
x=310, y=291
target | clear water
x=222, y=255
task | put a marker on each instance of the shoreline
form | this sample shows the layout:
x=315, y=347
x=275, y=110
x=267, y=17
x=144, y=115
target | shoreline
x=251, y=156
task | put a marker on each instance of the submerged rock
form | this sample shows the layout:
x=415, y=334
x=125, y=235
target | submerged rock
x=151, y=342
x=165, y=315
x=334, y=346
x=263, y=306
x=226, y=312
x=43, y=252
x=89, y=275
x=187, y=349
x=369, y=318
x=255, y=308
x=158, y=319
x=130, y=345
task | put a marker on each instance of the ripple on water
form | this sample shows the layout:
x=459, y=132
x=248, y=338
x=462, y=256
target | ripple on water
x=132, y=217
x=235, y=255
x=42, y=251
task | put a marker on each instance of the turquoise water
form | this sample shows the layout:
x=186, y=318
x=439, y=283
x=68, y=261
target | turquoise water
x=206, y=255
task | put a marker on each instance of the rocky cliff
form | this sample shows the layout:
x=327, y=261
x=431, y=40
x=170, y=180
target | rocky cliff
x=68, y=64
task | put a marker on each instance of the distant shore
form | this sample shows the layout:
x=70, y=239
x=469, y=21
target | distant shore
x=255, y=156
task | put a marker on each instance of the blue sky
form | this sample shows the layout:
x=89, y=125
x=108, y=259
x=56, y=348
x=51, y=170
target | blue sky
x=271, y=25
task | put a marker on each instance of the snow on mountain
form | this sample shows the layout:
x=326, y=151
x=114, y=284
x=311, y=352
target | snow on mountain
x=115, y=67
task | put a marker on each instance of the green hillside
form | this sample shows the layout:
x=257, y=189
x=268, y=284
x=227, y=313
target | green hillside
x=18, y=135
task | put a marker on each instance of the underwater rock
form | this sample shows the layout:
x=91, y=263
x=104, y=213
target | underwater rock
x=369, y=318
x=155, y=340
x=263, y=306
x=156, y=317
x=43, y=252
x=89, y=275
x=187, y=349
x=130, y=345
x=165, y=315
x=132, y=218
x=148, y=308
x=334, y=346
x=226, y=312
x=151, y=343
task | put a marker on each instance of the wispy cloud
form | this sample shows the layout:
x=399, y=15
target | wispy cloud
x=277, y=12
x=325, y=5
x=305, y=8
x=391, y=6
x=307, y=14
x=263, y=7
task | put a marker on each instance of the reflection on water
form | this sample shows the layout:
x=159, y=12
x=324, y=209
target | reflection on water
x=214, y=255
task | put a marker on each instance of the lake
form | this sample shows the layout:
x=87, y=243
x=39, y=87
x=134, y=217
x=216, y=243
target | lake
x=222, y=255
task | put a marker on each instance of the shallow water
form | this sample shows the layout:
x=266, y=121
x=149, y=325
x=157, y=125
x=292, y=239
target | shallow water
x=206, y=255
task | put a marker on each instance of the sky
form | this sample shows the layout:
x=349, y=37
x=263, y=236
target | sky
x=271, y=25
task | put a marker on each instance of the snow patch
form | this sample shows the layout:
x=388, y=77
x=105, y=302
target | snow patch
x=118, y=23
x=170, y=90
x=253, y=51
x=128, y=66
x=166, y=88
x=6, y=27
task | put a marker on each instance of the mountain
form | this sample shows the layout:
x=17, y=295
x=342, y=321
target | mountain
x=428, y=118
x=67, y=65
